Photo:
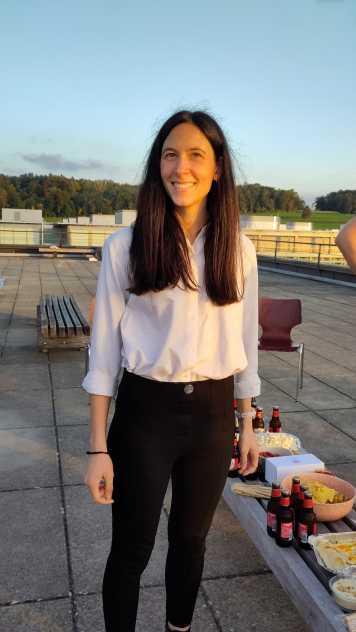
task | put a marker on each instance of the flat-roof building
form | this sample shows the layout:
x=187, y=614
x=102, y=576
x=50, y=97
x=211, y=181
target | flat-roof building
x=22, y=215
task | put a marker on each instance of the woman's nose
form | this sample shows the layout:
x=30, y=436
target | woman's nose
x=182, y=164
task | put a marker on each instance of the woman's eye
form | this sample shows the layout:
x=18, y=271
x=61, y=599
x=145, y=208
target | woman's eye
x=169, y=154
x=197, y=154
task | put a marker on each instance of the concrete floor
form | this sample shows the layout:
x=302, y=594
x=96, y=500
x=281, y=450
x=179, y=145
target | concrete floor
x=55, y=540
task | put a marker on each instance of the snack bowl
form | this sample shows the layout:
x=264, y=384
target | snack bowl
x=343, y=588
x=268, y=440
x=335, y=552
x=327, y=512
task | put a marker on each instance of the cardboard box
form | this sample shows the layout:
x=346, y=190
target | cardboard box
x=279, y=467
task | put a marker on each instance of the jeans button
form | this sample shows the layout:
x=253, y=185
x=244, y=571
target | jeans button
x=188, y=389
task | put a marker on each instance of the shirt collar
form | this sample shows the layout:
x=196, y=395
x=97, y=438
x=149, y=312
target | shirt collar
x=198, y=242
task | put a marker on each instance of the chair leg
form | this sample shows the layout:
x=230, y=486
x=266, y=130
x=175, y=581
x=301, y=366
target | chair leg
x=300, y=369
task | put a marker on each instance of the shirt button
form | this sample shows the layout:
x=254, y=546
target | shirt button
x=188, y=389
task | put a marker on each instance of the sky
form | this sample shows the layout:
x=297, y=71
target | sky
x=86, y=85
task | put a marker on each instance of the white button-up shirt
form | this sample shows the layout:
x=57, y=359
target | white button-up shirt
x=175, y=335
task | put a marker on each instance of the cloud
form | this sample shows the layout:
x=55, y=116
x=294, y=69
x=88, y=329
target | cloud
x=57, y=162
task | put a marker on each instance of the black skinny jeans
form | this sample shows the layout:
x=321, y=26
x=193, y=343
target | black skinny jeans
x=162, y=430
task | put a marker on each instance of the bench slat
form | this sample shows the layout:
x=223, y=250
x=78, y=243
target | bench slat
x=84, y=322
x=51, y=317
x=66, y=316
x=340, y=526
x=61, y=327
x=73, y=315
x=350, y=519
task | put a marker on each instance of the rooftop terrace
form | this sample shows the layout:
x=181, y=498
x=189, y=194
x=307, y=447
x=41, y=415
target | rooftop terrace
x=55, y=540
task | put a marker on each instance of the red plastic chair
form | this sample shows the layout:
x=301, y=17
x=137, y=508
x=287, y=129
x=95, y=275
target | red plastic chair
x=277, y=317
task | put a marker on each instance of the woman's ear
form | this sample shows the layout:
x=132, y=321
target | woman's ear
x=218, y=170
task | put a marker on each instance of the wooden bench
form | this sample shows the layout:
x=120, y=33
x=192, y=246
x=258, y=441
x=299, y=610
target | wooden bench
x=61, y=324
x=297, y=570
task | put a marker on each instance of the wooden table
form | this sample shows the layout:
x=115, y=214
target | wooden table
x=295, y=568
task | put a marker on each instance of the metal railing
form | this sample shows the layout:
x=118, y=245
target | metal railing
x=291, y=248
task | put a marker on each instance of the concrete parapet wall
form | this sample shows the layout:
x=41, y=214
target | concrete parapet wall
x=89, y=235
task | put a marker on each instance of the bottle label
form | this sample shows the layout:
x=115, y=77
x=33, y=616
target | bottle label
x=287, y=530
x=303, y=532
x=234, y=465
x=272, y=521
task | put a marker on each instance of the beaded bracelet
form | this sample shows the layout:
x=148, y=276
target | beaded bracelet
x=97, y=452
x=246, y=415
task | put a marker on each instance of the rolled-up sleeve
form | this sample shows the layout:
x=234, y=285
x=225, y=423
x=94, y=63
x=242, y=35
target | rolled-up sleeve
x=105, y=340
x=247, y=382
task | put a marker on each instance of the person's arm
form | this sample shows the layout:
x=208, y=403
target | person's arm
x=346, y=242
x=99, y=474
x=104, y=366
x=247, y=382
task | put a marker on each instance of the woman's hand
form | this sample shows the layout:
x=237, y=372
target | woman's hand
x=248, y=451
x=99, y=478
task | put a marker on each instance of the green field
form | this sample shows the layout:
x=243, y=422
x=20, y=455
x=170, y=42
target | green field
x=320, y=219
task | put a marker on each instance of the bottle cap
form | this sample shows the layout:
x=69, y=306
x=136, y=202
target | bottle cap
x=295, y=480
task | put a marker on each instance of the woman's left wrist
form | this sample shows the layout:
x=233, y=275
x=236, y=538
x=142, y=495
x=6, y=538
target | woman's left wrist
x=246, y=415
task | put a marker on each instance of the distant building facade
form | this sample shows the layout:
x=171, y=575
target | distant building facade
x=22, y=215
x=102, y=220
x=125, y=217
x=260, y=222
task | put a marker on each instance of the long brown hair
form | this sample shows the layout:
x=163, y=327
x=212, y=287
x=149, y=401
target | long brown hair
x=159, y=255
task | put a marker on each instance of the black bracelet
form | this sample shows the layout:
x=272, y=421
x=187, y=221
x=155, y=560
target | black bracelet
x=98, y=452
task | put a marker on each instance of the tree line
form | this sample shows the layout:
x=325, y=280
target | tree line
x=59, y=196
x=343, y=201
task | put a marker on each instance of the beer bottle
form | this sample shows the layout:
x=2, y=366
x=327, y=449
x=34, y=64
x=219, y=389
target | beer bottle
x=275, y=422
x=236, y=413
x=306, y=522
x=285, y=519
x=258, y=423
x=294, y=496
x=235, y=459
x=299, y=506
x=272, y=508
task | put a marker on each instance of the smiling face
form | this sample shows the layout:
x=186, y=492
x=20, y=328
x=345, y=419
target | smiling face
x=188, y=167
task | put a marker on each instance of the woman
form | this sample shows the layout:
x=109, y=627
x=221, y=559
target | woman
x=176, y=307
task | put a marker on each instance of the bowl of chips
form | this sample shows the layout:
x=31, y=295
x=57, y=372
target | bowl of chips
x=333, y=497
